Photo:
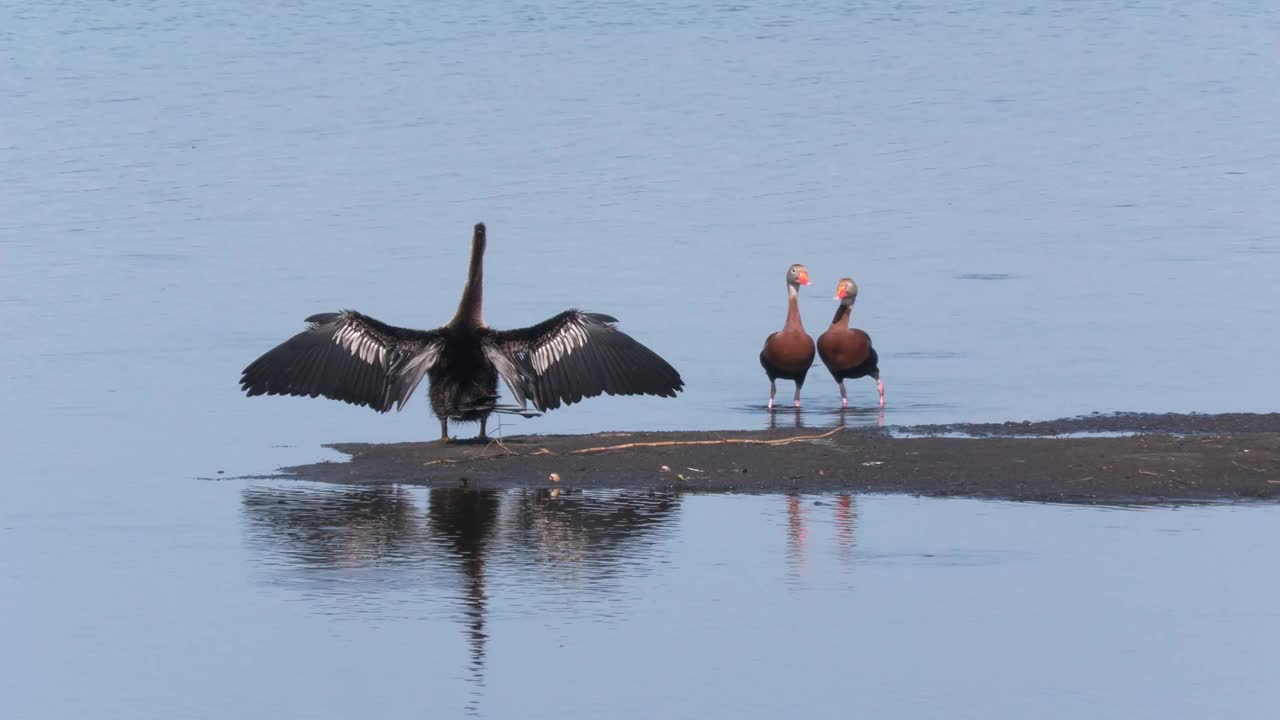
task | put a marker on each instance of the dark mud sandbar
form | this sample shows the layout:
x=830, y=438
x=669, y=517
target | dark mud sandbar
x=1174, y=458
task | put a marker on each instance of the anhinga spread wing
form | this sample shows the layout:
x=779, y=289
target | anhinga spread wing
x=576, y=355
x=349, y=357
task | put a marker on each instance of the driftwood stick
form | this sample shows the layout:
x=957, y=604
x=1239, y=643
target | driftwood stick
x=508, y=452
x=722, y=441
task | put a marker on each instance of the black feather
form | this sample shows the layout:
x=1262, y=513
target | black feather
x=608, y=362
x=317, y=362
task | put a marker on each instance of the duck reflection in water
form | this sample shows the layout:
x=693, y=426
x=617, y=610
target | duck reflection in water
x=555, y=536
x=844, y=417
x=846, y=515
x=860, y=416
x=795, y=420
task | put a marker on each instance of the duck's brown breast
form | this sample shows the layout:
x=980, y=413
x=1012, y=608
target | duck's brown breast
x=789, y=350
x=842, y=348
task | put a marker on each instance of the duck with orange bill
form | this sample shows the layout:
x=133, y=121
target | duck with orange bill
x=846, y=351
x=788, y=353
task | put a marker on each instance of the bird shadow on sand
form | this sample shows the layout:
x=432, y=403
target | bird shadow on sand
x=474, y=441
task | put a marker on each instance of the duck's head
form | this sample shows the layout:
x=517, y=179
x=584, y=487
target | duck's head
x=797, y=275
x=846, y=291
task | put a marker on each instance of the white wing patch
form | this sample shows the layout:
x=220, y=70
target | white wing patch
x=359, y=342
x=571, y=337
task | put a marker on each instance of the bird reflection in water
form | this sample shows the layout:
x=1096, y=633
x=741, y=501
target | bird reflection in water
x=860, y=415
x=463, y=523
x=554, y=536
x=796, y=421
x=349, y=527
x=846, y=515
x=844, y=417
x=795, y=534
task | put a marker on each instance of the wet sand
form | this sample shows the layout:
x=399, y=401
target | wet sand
x=1175, y=458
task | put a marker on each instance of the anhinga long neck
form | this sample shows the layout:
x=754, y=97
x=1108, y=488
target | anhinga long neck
x=471, y=306
x=793, y=309
x=841, y=318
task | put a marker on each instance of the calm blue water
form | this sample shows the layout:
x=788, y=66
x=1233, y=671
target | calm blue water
x=291, y=600
x=1050, y=209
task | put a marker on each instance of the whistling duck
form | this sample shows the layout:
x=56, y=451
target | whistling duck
x=846, y=352
x=788, y=353
x=356, y=359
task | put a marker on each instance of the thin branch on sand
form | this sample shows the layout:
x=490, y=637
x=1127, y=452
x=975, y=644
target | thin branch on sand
x=722, y=441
